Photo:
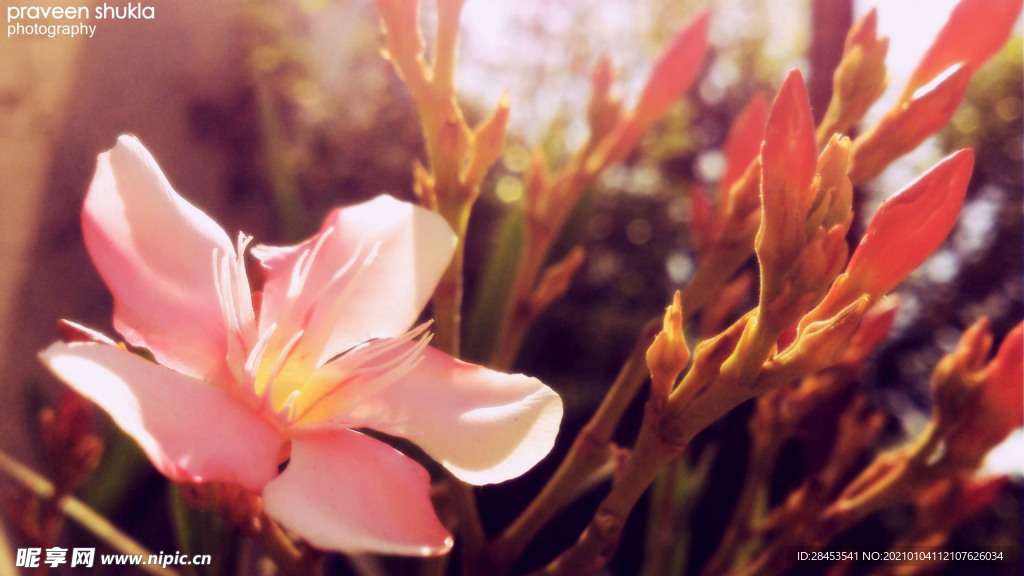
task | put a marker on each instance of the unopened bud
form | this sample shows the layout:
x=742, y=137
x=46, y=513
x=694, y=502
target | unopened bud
x=859, y=79
x=788, y=162
x=915, y=220
x=488, y=145
x=743, y=143
x=955, y=379
x=603, y=111
x=903, y=128
x=556, y=280
x=674, y=72
x=992, y=403
x=959, y=41
x=668, y=355
x=815, y=348
x=910, y=225
x=832, y=191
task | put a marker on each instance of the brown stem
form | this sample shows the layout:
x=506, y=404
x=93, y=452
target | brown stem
x=590, y=451
x=289, y=559
x=653, y=451
x=751, y=499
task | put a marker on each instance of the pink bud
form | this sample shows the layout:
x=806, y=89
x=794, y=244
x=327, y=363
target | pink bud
x=789, y=154
x=1005, y=382
x=976, y=29
x=672, y=75
x=910, y=225
x=864, y=32
x=788, y=162
x=744, y=140
x=674, y=71
x=906, y=126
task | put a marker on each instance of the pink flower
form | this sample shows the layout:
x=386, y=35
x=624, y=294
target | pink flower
x=239, y=387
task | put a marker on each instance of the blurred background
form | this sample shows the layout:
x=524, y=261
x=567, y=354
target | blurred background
x=268, y=114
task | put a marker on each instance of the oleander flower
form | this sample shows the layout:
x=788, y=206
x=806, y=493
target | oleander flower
x=245, y=382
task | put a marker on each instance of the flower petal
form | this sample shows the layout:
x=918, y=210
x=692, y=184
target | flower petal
x=348, y=492
x=484, y=426
x=367, y=274
x=154, y=251
x=191, y=431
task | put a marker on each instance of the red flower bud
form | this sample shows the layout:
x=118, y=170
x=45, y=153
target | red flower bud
x=744, y=140
x=674, y=72
x=976, y=29
x=1004, y=386
x=789, y=159
x=910, y=225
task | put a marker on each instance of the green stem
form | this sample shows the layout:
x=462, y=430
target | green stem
x=749, y=505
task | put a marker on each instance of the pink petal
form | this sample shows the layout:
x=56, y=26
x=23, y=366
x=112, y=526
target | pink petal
x=348, y=492
x=484, y=426
x=155, y=252
x=191, y=431
x=367, y=274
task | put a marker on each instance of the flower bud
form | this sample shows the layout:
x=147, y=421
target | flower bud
x=603, y=111
x=816, y=347
x=487, y=145
x=976, y=29
x=556, y=280
x=668, y=355
x=905, y=230
x=832, y=192
x=978, y=406
x=859, y=79
x=903, y=128
x=910, y=225
x=744, y=140
x=674, y=72
x=788, y=161
x=955, y=379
